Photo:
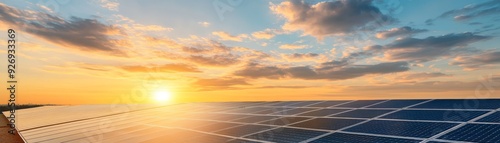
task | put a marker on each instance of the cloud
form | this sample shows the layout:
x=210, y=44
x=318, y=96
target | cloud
x=422, y=76
x=162, y=68
x=334, y=70
x=473, y=11
x=219, y=84
x=398, y=32
x=207, y=53
x=428, y=86
x=215, y=60
x=330, y=18
x=427, y=49
x=204, y=24
x=475, y=62
x=228, y=37
x=267, y=34
x=300, y=57
x=78, y=33
x=109, y=4
x=293, y=46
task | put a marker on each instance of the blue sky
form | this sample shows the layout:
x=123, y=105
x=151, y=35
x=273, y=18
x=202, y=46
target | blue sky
x=329, y=49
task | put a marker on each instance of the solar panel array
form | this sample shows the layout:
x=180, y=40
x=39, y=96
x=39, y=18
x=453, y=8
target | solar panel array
x=387, y=121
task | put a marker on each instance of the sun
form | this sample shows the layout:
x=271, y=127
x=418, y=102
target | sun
x=162, y=96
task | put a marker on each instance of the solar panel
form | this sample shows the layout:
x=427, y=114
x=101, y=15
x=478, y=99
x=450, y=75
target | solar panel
x=396, y=104
x=359, y=104
x=495, y=118
x=362, y=113
x=286, y=135
x=439, y=115
x=461, y=104
x=475, y=133
x=395, y=121
x=255, y=119
x=326, y=123
x=292, y=111
x=402, y=128
x=353, y=138
x=284, y=120
x=327, y=103
x=243, y=130
x=323, y=112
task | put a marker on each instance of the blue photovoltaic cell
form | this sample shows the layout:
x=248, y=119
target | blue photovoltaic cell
x=289, y=103
x=292, y=111
x=284, y=121
x=304, y=103
x=327, y=123
x=353, y=138
x=285, y=135
x=327, y=103
x=495, y=117
x=396, y=104
x=243, y=130
x=360, y=103
x=438, y=115
x=402, y=128
x=323, y=112
x=363, y=113
x=487, y=133
x=255, y=119
x=461, y=104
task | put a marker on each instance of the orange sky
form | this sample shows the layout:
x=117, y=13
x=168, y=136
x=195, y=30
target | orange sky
x=80, y=52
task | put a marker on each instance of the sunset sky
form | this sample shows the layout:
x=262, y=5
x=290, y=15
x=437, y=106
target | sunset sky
x=106, y=51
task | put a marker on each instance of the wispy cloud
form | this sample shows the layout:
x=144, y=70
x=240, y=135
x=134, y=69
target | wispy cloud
x=228, y=37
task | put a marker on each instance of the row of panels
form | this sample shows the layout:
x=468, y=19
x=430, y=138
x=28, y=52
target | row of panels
x=433, y=104
x=413, y=114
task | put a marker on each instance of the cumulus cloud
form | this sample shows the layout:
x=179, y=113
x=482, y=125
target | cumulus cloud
x=208, y=53
x=228, y=37
x=398, y=32
x=78, y=33
x=474, y=62
x=334, y=70
x=427, y=49
x=293, y=46
x=329, y=18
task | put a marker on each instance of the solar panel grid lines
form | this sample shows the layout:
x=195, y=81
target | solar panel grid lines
x=238, y=121
x=490, y=118
x=459, y=126
x=361, y=103
x=210, y=133
x=353, y=124
x=77, y=126
x=474, y=133
x=74, y=133
x=338, y=137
